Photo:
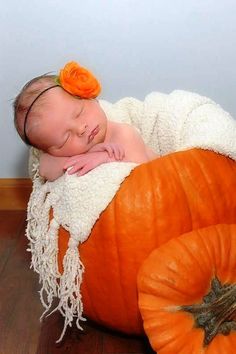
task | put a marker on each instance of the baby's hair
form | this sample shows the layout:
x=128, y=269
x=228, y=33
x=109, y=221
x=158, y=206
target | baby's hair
x=24, y=99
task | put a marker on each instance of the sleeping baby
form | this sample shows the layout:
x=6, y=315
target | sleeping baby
x=70, y=128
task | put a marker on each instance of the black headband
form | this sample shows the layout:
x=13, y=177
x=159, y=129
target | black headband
x=26, y=139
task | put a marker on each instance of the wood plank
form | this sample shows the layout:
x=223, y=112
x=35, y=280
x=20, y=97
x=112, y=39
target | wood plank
x=10, y=225
x=14, y=193
x=19, y=302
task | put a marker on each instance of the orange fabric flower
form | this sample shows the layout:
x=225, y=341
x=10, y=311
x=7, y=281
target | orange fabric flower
x=79, y=81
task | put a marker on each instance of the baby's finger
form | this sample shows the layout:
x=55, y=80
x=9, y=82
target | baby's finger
x=69, y=163
x=122, y=153
x=71, y=170
x=109, y=150
x=119, y=153
x=116, y=152
x=84, y=170
x=88, y=167
x=75, y=168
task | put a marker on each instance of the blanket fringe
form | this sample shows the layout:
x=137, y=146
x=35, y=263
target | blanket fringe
x=43, y=245
x=49, y=267
x=70, y=304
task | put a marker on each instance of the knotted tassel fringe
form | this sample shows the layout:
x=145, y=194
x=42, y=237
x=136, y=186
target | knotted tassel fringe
x=49, y=267
x=70, y=303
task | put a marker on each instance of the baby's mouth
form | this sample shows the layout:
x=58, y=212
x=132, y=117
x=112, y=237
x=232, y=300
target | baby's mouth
x=93, y=134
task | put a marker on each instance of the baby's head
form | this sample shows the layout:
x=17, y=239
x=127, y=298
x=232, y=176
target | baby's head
x=47, y=106
x=28, y=103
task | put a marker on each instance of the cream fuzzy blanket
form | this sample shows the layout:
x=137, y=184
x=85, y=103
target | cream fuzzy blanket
x=167, y=122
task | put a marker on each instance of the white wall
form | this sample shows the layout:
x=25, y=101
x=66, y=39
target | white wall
x=134, y=47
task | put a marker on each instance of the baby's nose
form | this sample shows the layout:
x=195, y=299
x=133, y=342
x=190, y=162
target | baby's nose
x=81, y=129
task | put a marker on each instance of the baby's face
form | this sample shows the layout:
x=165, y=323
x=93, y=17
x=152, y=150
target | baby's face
x=68, y=125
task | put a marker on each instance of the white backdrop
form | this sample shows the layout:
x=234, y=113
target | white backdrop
x=133, y=47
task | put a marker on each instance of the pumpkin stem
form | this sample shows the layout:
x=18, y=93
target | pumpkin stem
x=217, y=313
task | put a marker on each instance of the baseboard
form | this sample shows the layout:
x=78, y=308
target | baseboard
x=14, y=193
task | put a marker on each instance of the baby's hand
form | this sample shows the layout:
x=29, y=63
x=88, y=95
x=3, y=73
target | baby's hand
x=84, y=163
x=114, y=150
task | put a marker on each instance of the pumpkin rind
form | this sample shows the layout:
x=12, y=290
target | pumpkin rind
x=180, y=273
x=160, y=200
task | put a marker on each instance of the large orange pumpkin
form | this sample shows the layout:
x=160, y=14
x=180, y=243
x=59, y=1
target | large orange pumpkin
x=187, y=293
x=160, y=200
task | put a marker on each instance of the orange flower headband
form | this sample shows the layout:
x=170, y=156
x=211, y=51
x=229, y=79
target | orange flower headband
x=74, y=79
x=79, y=81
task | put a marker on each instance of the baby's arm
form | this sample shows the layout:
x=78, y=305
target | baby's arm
x=51, y=167
x=135, y=148
x=113, y=150
x=83, y=163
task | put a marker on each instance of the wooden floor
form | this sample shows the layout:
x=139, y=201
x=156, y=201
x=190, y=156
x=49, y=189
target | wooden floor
x=20, y=307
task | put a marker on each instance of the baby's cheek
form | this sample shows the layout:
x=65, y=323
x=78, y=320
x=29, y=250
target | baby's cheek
x=78, y=147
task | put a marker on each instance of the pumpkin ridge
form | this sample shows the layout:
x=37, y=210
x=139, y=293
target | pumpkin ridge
x=191, y=252
x=202, y=163
x=164, y=284
x=202, y=169
x=197, y=162
x=220, y=231
x=186, y=250
x=221, y=246
x=207, y=247
x=230, y=256
x=119, y=270
x=166, y=253
x=182, y=182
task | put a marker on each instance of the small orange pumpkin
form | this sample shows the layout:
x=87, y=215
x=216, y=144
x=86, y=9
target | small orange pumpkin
x=160, y=200
x=187, y=293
